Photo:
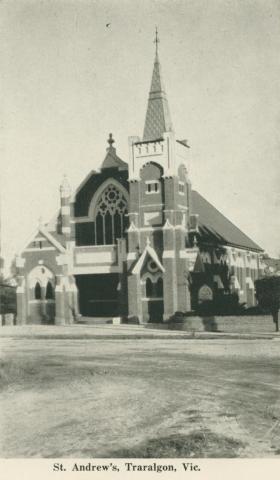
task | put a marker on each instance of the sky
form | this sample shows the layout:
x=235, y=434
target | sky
x=69, y=79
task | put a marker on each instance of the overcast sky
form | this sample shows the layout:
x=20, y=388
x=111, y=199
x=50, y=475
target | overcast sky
x=68, y=80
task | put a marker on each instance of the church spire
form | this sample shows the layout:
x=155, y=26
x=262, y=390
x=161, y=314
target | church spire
x=158, y=119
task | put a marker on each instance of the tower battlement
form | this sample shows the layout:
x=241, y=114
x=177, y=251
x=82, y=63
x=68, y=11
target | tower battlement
x=168, y=152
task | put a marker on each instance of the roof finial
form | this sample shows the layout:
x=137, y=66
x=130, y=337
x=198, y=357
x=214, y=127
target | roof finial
x=65, y=189
x=110, y=140
x=156, y=41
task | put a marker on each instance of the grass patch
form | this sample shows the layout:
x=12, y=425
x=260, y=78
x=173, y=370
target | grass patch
x=14, y=372
x=198, y=444
x=43, y=373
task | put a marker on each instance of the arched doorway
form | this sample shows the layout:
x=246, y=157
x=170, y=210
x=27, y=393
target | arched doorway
x=153, y=283
x=41, y=295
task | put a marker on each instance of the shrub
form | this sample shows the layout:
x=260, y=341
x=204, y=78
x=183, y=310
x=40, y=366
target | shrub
x=7, y=299
x=268, y=295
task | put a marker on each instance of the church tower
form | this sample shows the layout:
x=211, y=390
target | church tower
x=159, y=212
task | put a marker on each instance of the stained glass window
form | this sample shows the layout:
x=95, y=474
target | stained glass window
x=111, y=216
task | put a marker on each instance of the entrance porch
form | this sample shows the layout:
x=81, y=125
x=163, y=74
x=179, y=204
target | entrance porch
x=100, y=295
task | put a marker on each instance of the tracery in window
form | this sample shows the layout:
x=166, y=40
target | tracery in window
x=154, y=287
x=111, y=216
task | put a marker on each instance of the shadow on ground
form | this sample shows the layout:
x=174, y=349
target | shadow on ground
x=196, y=444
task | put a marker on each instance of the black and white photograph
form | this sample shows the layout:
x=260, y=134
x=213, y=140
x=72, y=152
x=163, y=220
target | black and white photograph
x=140, y=233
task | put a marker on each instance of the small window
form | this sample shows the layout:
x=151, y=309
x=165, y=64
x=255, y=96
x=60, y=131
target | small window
x=38, y=291
x=37, y=244
x=181, y=188
x=152, y=187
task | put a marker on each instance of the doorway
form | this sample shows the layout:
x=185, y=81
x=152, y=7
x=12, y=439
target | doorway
x=155, y=310
x=98, y=295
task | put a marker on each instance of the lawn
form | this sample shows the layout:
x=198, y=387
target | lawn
x=139, y=398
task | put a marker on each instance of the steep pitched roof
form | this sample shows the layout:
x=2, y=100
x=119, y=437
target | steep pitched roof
x=113, y=161
x=158, y=119
x=148, y=251
x=215, y=227
x=48, y=231
x=50, y=237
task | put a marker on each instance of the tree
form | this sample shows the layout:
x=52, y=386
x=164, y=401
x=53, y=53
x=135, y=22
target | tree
x=268, y=296
x=7, y=299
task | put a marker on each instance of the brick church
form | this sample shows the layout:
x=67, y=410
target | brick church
x=134, y=239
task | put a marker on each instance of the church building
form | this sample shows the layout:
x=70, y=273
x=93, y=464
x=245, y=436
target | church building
x=135, y=240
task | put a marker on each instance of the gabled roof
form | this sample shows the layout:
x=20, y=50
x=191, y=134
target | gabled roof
x=113, y=161
x=158, y=118
x=56, y=239
x=51, y=239
x=59, y=237
x=215, y=227
x=148, y=251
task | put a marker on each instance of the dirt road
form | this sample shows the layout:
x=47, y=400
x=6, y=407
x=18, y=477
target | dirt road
x=139, y=398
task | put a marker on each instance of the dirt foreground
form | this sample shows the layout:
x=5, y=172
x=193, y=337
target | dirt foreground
x=157, y=398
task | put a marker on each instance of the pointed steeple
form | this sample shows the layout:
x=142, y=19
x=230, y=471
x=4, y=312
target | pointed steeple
x=158, y=119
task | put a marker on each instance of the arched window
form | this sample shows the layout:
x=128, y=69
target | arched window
x=110, y=216
x=149, y=288
x=49, y=291
x=38, y=291
x=159, y=287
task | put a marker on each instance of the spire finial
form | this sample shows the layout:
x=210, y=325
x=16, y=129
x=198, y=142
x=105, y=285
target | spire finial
x=65, y=189
x=156, y=40
x=110, y=140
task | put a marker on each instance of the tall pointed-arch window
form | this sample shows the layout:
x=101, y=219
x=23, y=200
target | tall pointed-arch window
x=38, y=291
x=110, y=216
x=149, y=288
x=49, y=291
x=159, y=287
